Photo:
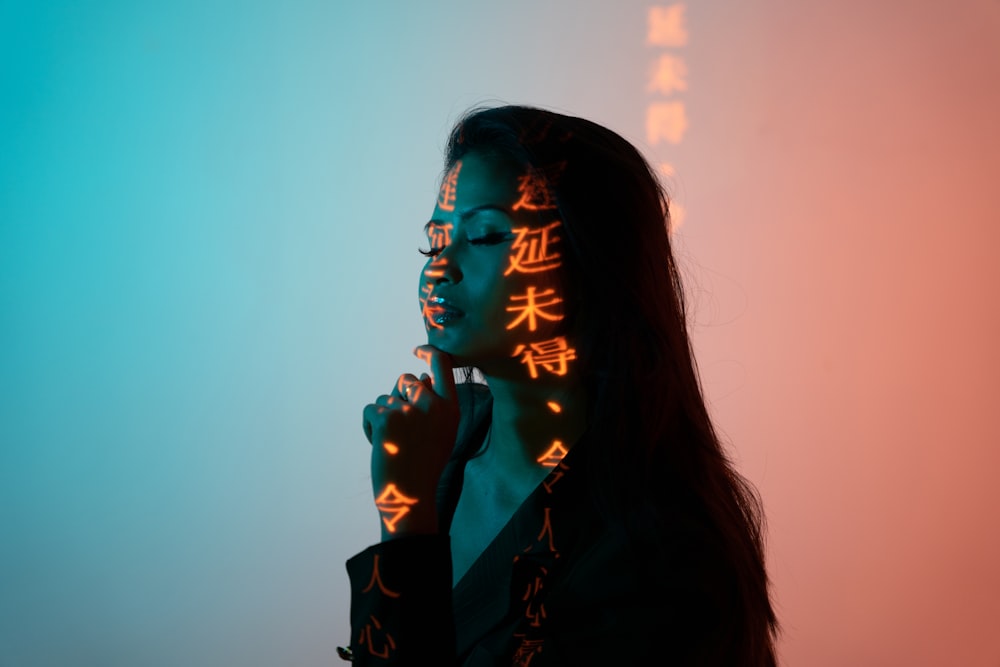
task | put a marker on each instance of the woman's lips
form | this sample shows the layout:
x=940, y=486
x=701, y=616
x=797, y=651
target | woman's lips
x=441, y=311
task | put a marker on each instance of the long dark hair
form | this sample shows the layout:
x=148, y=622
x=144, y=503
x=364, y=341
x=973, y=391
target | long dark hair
x=625, y=306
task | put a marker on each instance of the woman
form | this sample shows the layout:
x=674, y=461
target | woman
x=577, y=509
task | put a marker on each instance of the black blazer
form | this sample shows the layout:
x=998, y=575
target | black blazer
x=559, y=585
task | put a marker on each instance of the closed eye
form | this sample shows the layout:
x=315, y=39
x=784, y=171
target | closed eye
x=493, y=238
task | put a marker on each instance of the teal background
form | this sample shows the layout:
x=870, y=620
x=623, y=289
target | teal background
x=209, y=216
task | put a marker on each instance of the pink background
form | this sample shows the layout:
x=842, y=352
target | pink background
x=209, y=216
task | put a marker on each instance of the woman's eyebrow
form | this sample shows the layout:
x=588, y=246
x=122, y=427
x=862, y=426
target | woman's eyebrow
x=471, y=212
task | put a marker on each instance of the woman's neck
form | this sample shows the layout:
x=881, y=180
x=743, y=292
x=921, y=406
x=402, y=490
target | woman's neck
x=534, y=423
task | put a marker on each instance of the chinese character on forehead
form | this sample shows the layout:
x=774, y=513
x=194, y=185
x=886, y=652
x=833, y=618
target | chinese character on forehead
x=532, y=308
x=666, y=26
x=531, y=248
x=537, y=188
x=668, y=75
x=666, y=121
x=449, y=188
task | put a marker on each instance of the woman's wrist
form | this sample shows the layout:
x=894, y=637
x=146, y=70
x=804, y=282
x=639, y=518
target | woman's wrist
x=416, y=521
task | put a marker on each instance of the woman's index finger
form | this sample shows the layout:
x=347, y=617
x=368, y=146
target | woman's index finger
x=442, y=379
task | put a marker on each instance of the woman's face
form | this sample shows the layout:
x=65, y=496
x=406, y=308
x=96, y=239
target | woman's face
x=489, y=293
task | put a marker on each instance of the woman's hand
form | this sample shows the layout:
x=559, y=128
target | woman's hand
x=412, y=431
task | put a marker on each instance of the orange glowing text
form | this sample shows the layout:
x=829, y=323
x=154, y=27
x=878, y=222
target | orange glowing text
x=425, y=311
x=537, y=189
x=666, y=26
x=551, y=355
x=554, y=476
x=435, y=270
x=385, y=646
x=669, y=75
x=531, y=306
x=393, y=506
x=531, y=250
x=536, y=612
x=666, y=121
x=546, y=532
x=439, y=234
x=376, y=580
x=553, y=455
x=449, y=188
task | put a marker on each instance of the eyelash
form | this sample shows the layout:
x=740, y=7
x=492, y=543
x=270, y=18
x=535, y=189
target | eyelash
x=494, y=238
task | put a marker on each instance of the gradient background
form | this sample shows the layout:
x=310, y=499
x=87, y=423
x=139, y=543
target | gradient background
x=209, y=215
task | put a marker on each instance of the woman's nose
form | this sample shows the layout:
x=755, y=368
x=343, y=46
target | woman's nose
x=442, y=269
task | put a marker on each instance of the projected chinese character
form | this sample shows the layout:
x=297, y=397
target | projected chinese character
x=535, y=610
x=669, y=75
x=666, y=121
x=376, y=580
x=554, y=476
x=393, y=506
x=532, y=308
x=666, y=26
x=551, y=355
x=552, y=457
x=425, y=293
x=546, y=532
x=439, y=234
x=449, y=188
x=385, y=645
x=526, y=650
x=537, y=188
x=531, y=248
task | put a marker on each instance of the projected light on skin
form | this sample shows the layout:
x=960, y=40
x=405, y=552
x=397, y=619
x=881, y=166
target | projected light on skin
x=419, y=411
x=531, y=305
x=526, y=221
x=489, y=296
x=555, y=454
x=519, y=239
x=531, y=252
x=449, y=188
x=551, y=355
x=393, y=505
